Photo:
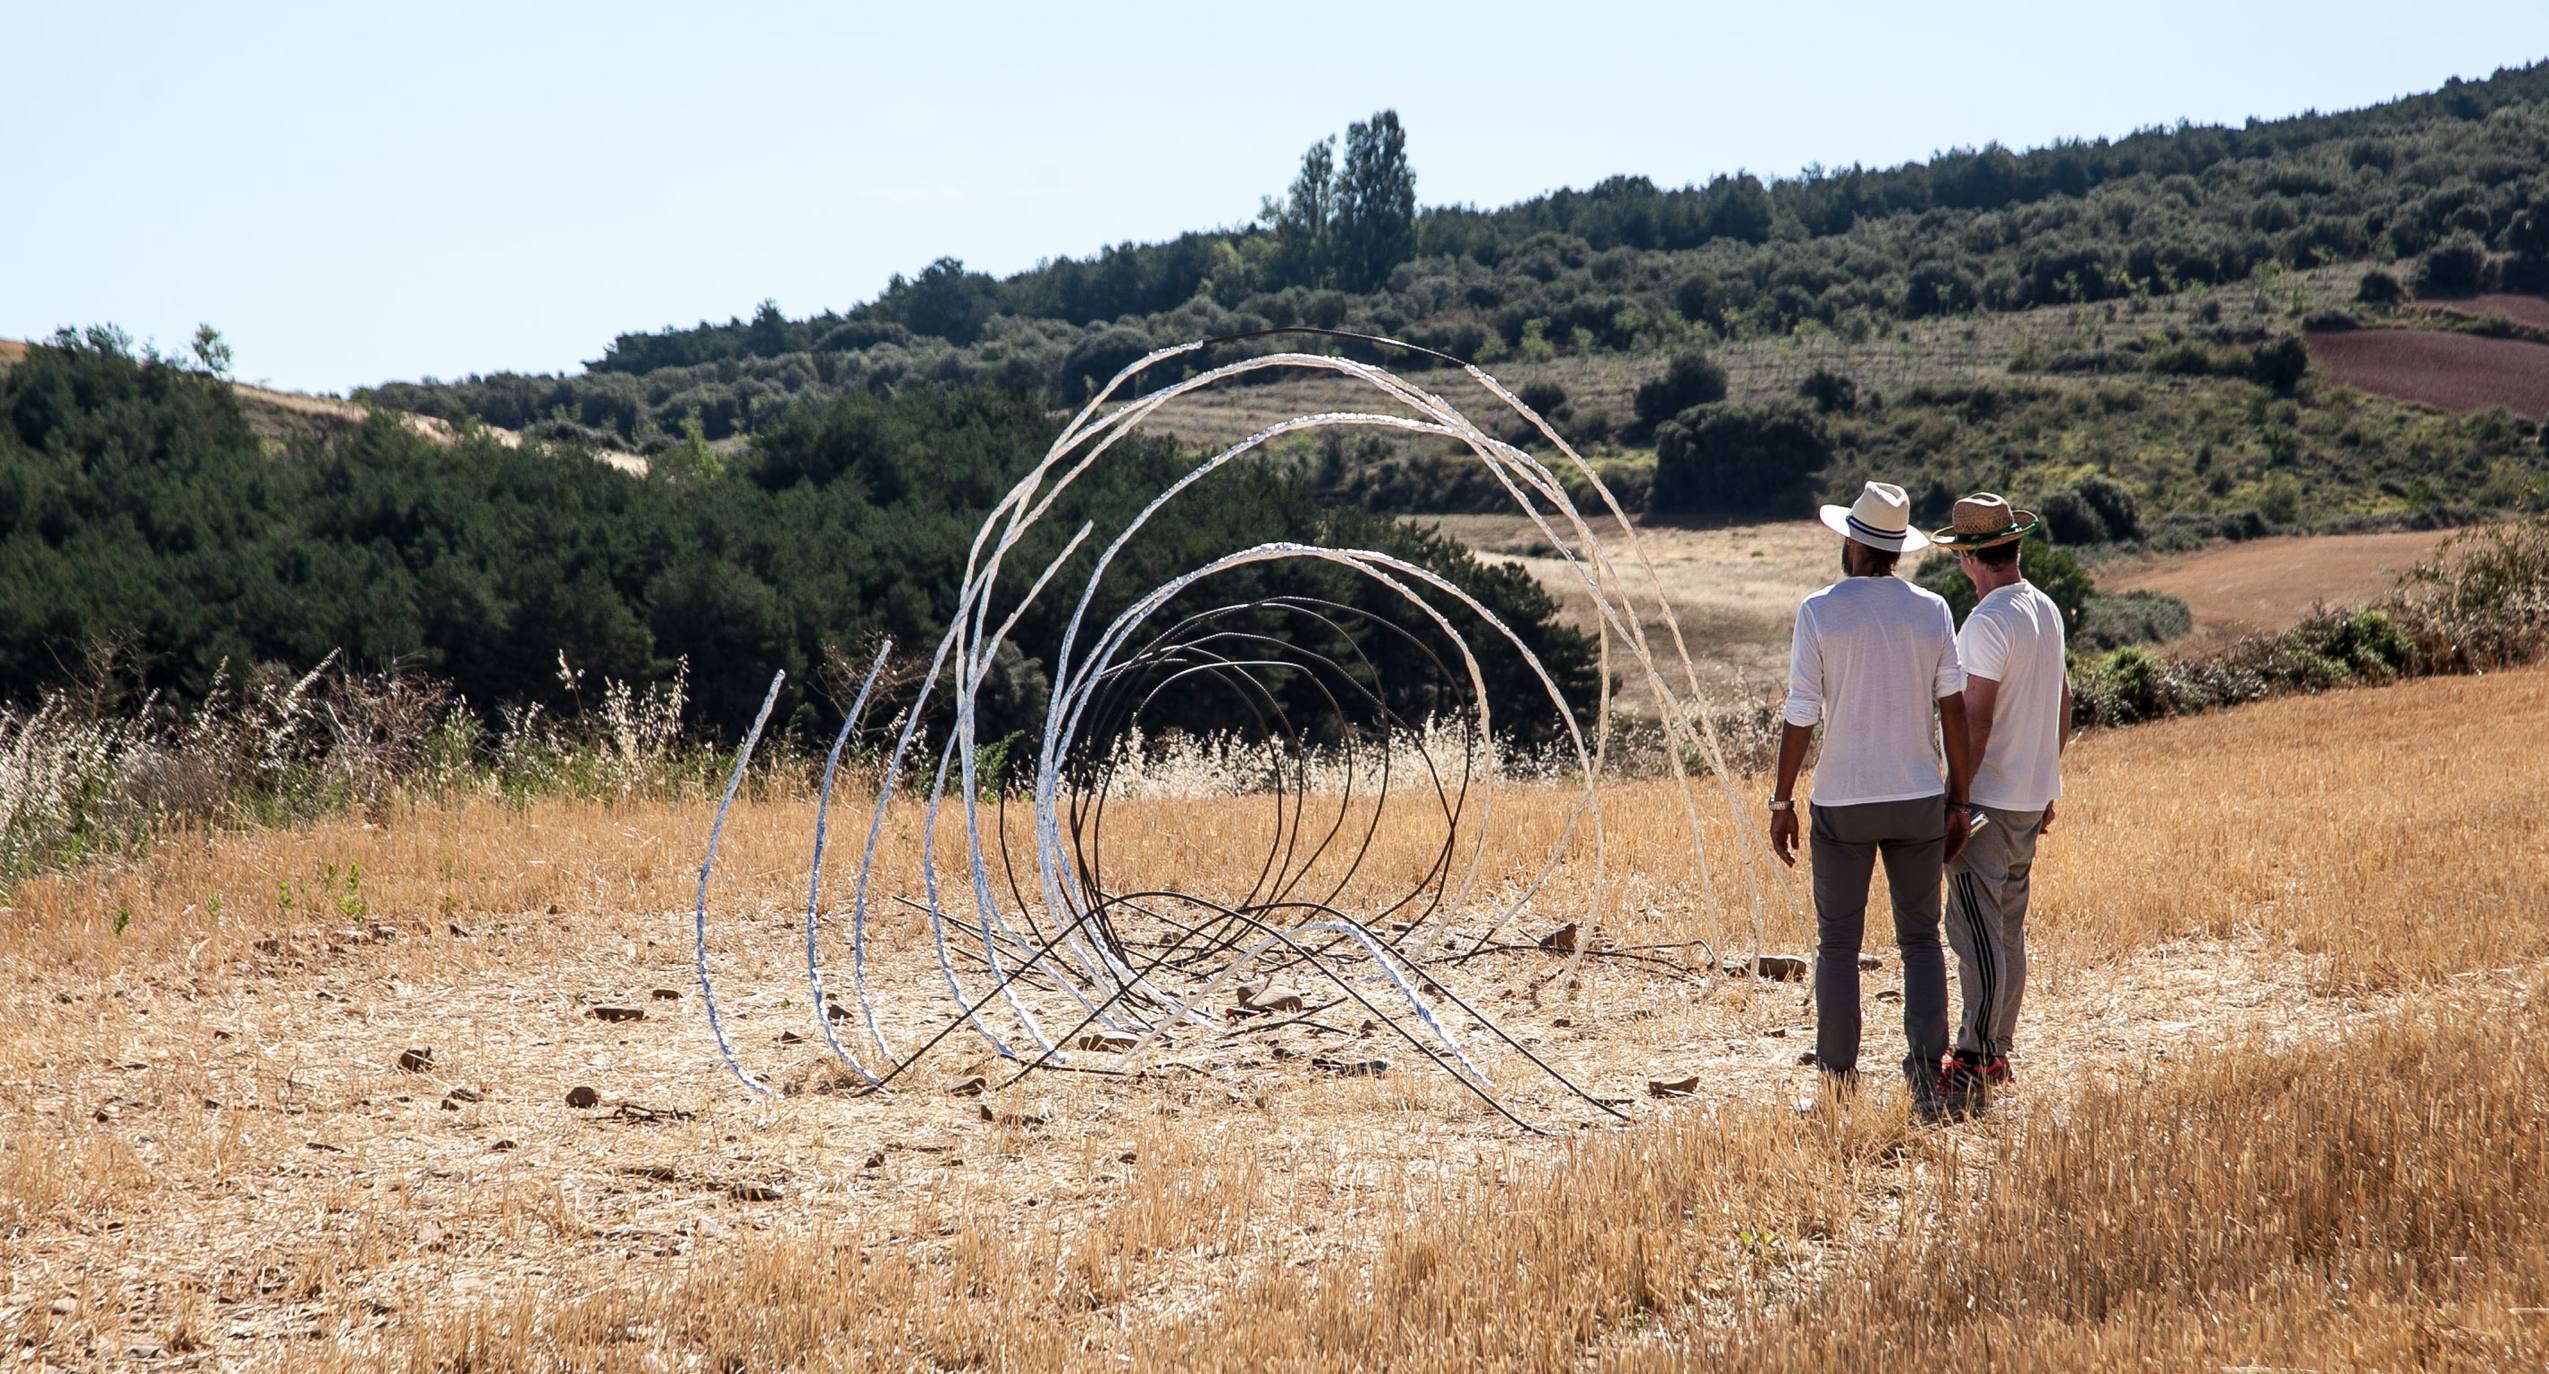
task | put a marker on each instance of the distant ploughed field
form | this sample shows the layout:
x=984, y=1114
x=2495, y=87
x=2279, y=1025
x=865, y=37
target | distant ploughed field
x=2530, y=310
x=2449, y=371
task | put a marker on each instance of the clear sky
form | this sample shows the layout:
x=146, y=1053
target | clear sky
x=356, y=193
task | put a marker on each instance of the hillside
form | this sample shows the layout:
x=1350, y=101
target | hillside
x=289, y=416
x=2126, y=308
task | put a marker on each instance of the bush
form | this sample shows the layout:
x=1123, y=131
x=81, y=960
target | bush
x=2093, y=510
x=2380, y=288
x=1725, y=460
x=2279, y=365
x=2454, y=267
x=1830, y=391
x=1691, y=379
x=2115, y=620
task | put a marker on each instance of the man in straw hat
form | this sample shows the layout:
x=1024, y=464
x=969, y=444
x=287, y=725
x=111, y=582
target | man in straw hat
x=1874, y=662
x=2018, y=717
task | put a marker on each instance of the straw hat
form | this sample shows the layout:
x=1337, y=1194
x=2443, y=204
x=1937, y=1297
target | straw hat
x=1983, y=520
x=1882, y=519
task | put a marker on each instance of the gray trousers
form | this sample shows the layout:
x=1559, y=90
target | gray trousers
x=1987, y=923
x=1847, y=840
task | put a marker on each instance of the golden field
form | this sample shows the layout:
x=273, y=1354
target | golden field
x=2282, y=1103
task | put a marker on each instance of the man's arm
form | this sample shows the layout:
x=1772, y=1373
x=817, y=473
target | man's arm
x=1960, y=770
x=2064, y=742
x=1802, y=711
x=1793, y=740
x=1982, y=697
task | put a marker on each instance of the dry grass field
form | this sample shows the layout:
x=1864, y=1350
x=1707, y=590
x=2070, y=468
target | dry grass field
x=2281, y=1105
x=1734, y=588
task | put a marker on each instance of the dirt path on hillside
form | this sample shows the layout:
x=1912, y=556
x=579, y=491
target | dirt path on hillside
x=2266, y=585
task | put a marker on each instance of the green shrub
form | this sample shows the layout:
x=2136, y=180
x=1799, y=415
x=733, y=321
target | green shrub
x=2115, y=620
x=2454, y=267
x=1691, y=379
x=1727, y=460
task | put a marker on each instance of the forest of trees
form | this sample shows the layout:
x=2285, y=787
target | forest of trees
x=2459, y=175
x=140, y=513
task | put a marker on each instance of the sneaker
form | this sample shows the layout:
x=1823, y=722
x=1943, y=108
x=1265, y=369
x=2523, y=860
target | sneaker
x=1830, y=1086
x=1929, y=1090
x=1999, y=1074
x=1964, y=1087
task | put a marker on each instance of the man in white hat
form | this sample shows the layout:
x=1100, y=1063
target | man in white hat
x=2018, y=716
x=1874, y=662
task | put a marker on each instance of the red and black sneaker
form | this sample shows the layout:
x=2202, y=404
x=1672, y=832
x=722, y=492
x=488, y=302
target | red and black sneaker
x=1998, y=1073
x=1964, y=1087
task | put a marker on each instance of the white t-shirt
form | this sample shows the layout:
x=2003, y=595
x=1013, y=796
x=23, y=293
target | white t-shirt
x=2014, y=637
x=1871, y=658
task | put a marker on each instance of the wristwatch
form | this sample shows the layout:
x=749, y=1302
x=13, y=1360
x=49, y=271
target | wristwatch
x=1782, y=804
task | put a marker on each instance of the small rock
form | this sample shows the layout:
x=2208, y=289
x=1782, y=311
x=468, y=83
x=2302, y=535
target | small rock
x=506, y=1145
x=102, y=1115
x=1786, y=968
x=1103, y=1042
x=581, y=1096
x=269, y=945
x=429, y=1235
x=1777, y=1032
x=755, y=1192
x=1564, y=937
x=1262, y=998
x=65, y=1306
x=1806, y=1058
x=461, y=1093
x=1870, y=961
x=1563, y=1022
x=556, y=910
x=1128, y=1157
x=617, y=1013
x=456, y=930
x=416, y=1060
x=709, y=1227
x=144, y=1350
x=835, y=1011
x=1355, y=1068
x=1676, y=1087
x=791, y=1038
x=970, y=1086
x=351, y=937
x=450, y=1105
x=1890, y=995
x=875, y=1161
x=666, y=994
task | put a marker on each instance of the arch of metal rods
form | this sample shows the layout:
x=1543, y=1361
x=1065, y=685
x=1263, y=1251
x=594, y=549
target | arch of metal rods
x=1060, y=963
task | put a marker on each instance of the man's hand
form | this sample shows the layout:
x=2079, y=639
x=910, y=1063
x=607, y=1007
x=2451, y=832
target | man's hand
x=1783, y=836
x=2046, y=827
x=1960, y=827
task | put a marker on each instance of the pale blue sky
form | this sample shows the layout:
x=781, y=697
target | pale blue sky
x=355, y=193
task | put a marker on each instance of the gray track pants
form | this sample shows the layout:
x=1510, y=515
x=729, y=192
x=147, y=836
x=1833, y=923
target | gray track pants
x=1912, y=837
x=1987, y=924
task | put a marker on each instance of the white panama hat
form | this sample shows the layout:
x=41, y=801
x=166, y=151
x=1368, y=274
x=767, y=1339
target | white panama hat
x=1882, y=519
